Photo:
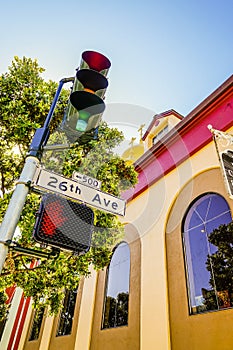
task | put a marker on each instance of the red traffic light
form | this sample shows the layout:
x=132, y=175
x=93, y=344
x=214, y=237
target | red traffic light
x=86, y=105
x=64, y=224
x=96, y=60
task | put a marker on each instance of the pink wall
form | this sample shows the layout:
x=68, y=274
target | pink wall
x=188, y=137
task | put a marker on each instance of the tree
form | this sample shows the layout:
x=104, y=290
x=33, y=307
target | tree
x=25, y=99
x=220, y=266
x=116, y=310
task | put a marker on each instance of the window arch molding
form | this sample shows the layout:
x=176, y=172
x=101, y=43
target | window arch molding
x=205, y=283
x=180, y=320
x=115, y=313
x=132, y=330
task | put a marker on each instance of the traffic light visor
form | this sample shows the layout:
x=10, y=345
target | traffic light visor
x=92, y=80
x=96, y=60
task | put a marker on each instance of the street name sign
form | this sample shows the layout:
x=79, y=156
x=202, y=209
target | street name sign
x=52, y=182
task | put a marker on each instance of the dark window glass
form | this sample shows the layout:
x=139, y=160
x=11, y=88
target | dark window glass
x=36, y=325
x=205, y=215
x=117, y=289
x=2, y=326
x=160, y=134
x=67, y=313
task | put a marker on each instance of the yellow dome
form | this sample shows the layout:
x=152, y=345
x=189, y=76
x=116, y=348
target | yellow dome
x=133, y=153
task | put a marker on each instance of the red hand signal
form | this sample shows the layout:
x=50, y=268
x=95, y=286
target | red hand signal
x=52, y=218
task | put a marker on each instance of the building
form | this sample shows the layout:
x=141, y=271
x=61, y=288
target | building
x=160, y=291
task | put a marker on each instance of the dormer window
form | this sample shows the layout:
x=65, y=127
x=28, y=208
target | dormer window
x=160, y=134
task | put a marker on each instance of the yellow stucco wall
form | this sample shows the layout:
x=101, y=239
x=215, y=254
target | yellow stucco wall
x=83, y=336
x=149, y=213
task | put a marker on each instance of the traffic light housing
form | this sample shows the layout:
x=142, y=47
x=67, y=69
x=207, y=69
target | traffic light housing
x=64, y=224
x=86, y=105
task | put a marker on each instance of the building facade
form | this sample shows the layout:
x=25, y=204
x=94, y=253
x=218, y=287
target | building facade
x=166, y=286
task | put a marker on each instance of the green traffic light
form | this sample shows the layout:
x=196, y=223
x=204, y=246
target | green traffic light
x=82, y=121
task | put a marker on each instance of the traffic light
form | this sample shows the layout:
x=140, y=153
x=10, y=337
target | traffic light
x=86, y=105
x=64, y=224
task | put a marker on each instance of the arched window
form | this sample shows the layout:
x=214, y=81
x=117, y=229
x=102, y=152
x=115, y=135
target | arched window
x=206, y=263
x=117, y=288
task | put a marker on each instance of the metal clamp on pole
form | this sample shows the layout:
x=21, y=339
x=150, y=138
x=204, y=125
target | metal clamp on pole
x=34, y=253
x=7, y=243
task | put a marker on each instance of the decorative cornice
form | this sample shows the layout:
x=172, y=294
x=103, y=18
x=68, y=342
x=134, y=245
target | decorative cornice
x=185, y=139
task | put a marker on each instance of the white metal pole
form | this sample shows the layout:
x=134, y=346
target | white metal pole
x=15, y=207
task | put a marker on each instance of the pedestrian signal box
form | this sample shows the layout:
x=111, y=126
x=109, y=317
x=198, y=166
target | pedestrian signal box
x=64, y=224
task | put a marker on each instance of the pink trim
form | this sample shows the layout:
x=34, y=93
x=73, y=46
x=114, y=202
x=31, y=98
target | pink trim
x=10, y=291
x=21, y=324
x=187, y=138
x=14, y=329
x=19, y=319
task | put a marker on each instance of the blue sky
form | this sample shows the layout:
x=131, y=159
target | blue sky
x=165, y=54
